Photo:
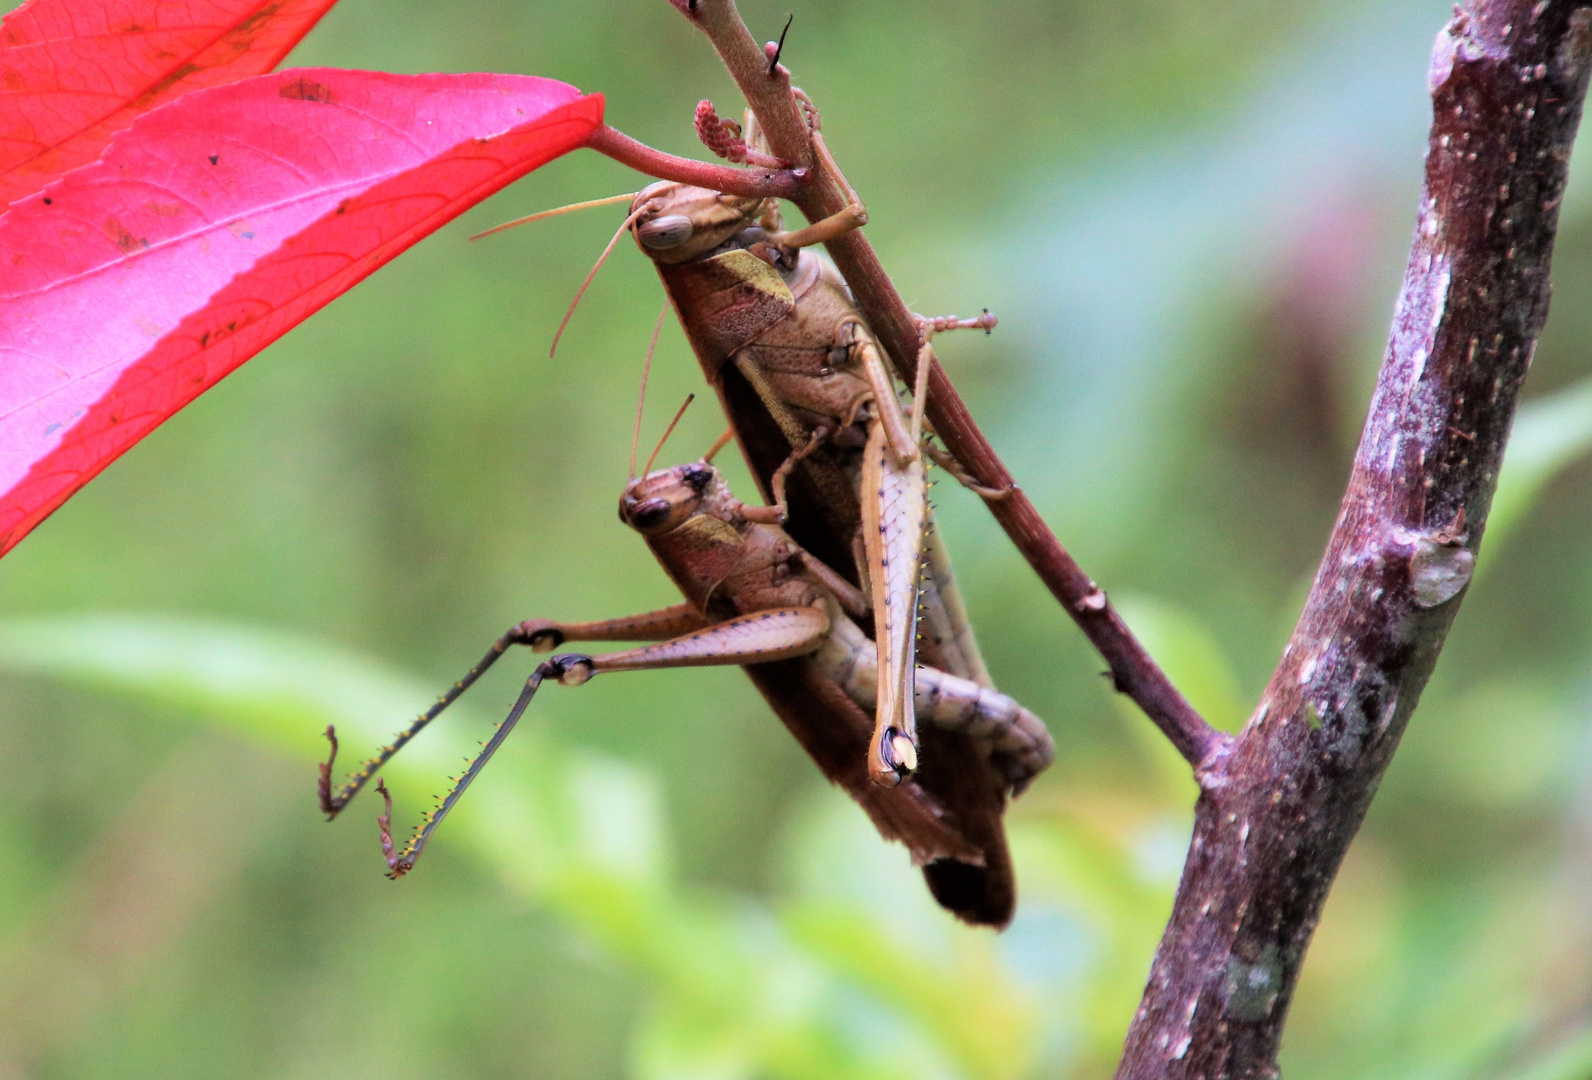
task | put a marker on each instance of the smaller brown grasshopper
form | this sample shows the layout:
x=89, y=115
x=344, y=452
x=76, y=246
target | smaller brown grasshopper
x=757, y=599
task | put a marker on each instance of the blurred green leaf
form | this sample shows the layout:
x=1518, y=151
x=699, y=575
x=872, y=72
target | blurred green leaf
x=983, y=1023
x=734, y=996
x=1191, y=656
x=1570, y=1060
x=1502, y=743
x=1550, y=434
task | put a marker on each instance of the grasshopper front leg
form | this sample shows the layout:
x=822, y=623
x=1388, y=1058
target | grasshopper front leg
x=853, y=216
x=776, y=634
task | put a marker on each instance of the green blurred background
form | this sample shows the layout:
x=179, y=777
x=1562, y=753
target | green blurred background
x=1191, y=217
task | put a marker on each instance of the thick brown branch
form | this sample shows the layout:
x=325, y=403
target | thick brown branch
x=1273, y=821
x=757, y=183
x=1133, y=670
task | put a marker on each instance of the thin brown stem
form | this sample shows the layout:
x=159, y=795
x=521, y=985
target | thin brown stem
x=757, y=183
x=1133, y=671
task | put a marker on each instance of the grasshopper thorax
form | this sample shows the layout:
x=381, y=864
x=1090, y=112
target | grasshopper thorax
x=664, y=500
x=676, y=223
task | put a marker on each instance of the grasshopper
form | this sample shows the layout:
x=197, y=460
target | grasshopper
x=756, y=598
x=813, y=404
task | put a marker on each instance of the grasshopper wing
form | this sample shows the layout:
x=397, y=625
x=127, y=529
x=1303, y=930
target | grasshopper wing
x=725, y=302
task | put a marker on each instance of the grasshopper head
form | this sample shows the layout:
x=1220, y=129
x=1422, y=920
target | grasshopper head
x=679, y=222
x=664, y=500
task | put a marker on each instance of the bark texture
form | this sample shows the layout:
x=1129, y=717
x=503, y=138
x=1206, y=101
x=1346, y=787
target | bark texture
x=1278, y=810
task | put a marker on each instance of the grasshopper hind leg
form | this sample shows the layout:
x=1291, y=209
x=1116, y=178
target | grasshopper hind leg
x=332, y=802
x=895, y=506
x=759, y=637
x=946, y=626
x=542, y=635
x=568, y=667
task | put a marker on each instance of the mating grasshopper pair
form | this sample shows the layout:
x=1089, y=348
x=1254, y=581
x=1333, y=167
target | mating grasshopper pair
x=813, y=403
x=815, y=410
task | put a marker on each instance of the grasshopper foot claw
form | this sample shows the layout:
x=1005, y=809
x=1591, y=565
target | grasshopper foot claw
x=396, y=867
x=323, y=788
x=892, y=757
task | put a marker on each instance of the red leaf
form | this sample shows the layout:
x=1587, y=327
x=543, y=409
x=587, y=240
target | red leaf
x=212, y=226
x=73, y=73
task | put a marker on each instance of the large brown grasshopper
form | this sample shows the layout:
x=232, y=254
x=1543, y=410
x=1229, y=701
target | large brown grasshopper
x=812, y=401
x=756, y=598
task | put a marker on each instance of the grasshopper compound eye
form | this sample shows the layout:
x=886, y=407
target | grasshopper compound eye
x=664, y=500
x=662, y=233
x=644, y=514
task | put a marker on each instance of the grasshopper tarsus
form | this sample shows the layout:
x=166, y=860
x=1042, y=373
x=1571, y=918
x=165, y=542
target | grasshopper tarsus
x=944, y=460
x=719, y=135
x=781, y=475
x=333, y=802
x=397, y=866
x=938, y=324
x=329, y=807
x=724, y=138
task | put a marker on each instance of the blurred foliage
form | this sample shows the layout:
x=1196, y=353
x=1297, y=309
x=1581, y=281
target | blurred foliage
x=1191, y=217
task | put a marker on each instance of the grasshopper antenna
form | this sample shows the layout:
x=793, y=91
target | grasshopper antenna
x=689, y=398
x=718, y=444
x=641, y=400
x=580, y=292
x=587, y=205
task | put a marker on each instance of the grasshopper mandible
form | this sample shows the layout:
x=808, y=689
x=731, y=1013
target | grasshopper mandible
x=812, y=402
x=755, y=598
